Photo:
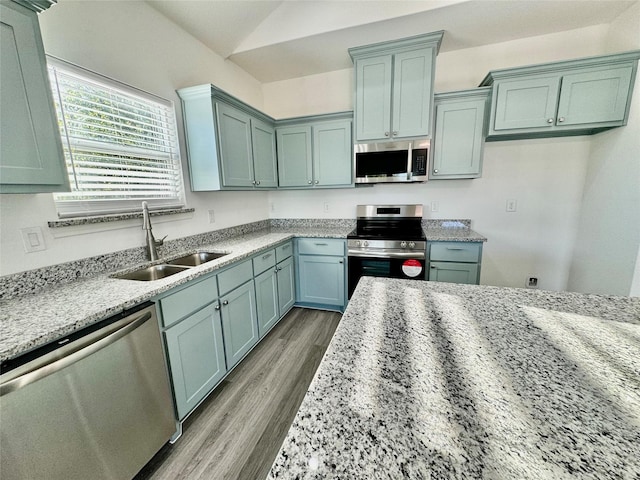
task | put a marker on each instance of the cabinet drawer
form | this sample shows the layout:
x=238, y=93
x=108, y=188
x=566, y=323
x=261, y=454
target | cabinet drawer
x=455, y=251
x=188, y=300
x=234, y=277
x=263, y=261
x=284, y=251
x=321, y=246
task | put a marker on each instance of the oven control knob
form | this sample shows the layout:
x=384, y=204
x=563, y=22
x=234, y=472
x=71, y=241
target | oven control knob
x=357, y=243
x=403, y=244
x=365, y=243
x=412, y=244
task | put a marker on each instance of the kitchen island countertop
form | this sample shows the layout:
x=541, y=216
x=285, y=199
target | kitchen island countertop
x=437, y=380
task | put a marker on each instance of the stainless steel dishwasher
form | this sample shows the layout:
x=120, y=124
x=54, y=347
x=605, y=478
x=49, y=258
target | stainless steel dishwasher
x=96, y=404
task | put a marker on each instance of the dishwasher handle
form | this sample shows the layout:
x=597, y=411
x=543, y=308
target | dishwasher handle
x=80, y=351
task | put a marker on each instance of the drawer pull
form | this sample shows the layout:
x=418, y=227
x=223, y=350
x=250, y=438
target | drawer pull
x=286, y=247
x=455, y=248
x=434, y=267
x=321, y=244
x=264, y=257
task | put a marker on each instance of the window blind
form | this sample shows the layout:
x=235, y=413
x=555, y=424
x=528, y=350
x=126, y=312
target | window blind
x=120, y=144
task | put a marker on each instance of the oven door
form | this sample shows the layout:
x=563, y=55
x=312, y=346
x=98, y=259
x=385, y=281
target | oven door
x=411, y=267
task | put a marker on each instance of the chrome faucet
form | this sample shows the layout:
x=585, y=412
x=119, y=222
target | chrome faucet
x=152, y=243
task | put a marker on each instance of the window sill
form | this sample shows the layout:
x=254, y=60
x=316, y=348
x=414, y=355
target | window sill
x=72, y=222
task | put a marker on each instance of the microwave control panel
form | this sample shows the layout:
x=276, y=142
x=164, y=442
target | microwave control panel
x=419, y=161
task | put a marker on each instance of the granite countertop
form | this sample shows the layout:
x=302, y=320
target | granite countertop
x=29, y=321
x=436, y=380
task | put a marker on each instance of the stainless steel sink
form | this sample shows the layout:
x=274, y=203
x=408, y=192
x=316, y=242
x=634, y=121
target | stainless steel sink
x=154, y=272
x=196, y=259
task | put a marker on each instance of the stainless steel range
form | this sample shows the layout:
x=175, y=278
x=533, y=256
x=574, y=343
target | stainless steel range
x=388, y=242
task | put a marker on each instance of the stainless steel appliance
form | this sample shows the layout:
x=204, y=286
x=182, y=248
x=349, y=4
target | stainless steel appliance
x=388, y=242
x=96, y=404
x=391, y=162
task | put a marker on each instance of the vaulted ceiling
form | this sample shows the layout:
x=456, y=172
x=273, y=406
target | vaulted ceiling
x=277, y=40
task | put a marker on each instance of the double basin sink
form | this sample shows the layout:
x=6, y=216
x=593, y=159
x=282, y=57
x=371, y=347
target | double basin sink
x=177, y=265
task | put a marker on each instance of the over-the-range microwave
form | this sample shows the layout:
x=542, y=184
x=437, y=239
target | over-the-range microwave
x=391, y=162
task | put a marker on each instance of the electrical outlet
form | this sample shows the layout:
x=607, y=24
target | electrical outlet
x=326, y=207
x=273, y=207
x=212, y=216
x=531, y=282
x=32, y=239
x=512, y=205
x=435, y=206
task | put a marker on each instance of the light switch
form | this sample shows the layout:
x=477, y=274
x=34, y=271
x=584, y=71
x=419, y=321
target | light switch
x=512, y=205
x=32, y=239
x=435, y=206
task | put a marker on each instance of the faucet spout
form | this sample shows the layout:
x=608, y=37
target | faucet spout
x=152, y=243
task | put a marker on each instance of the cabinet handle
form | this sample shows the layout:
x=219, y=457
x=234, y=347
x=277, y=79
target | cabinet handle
x=550, y=120
x=455, y=248
x=225, y=302
x=386, y=134
x=340, y=261
x=275, y=270
x=309, y=182
x=561, y=119
x=286, y=247
x=395, y=134
x=317, y=182
x=258, y=182
x=321, y=244
x=264, y=257
x=279, y=268
x=217, y=307
x=254, y=182
x=434, y=267
x=435, y=171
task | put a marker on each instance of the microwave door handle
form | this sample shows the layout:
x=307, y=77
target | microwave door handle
x=410, y=161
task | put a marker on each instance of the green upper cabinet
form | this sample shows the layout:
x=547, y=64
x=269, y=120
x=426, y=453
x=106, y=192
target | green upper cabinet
x=458, y=138
x=576, y=97
x=31, y=158
x=394, y=88
x=231, y=146
x=315, y=151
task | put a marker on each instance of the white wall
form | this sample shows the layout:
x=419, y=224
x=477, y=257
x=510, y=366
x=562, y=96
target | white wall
x=545, y=176
x=130, y=42
x=607, y=252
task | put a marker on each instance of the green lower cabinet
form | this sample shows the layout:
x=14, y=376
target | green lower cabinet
x=196, y=357
x=239, y=322
x=267, y=300
x=321, y=280
x=286, y=286
x=454, y=272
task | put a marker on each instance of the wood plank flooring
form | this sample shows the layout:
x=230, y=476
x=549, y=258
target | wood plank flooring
x=237, y=432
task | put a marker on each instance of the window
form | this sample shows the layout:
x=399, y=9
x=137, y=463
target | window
x=120, y=145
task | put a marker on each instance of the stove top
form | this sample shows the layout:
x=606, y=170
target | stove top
x=388, y=222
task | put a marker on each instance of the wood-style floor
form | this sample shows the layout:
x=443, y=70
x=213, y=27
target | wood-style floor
x=237, y=432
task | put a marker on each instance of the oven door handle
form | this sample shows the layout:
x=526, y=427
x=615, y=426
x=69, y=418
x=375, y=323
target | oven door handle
x=407, y=255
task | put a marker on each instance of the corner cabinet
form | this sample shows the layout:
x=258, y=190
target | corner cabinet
x=458, y=139
x=315, y=151
x=31, y=158
x=454, y=262
x=576, y=97
x=394, y=88
x=230, y=145
x=321, y=273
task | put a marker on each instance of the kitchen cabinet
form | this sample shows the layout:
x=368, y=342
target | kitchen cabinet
x=31, y=157
x=575, y=97
x=192, y=330
x=394, y=88
x=275, y=288
x=458, y=138
x=196, y=355
x=230, y=145
x=315, y=151
x=454, y=262
x=320, y=273
x=239, y=322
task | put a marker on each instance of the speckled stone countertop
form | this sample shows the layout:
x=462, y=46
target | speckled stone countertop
x=450, y=231
x=434, y=380
x=32, y=320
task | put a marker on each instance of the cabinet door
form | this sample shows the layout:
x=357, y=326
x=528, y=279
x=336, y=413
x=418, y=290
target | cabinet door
x=265, y=163
x=286, y=286
x=234, y=135
x=332, y=159
x=239, y=322
x=294, y=156
x=458, y=139
x=594, y=97
x=528, y=103
x=454, y=272
x=321, y=280
x=196, y=357
x=31, y=158
x=373, y=98
x=267, y=300
x=412, y=93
